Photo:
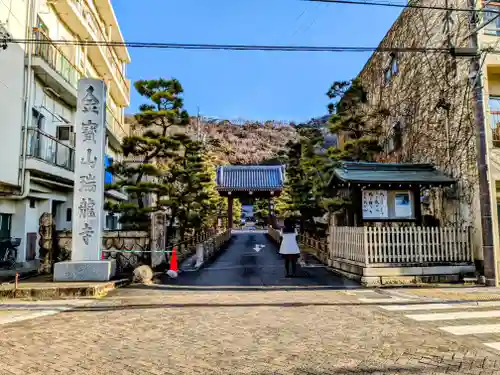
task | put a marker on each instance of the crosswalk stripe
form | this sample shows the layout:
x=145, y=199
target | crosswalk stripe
x=425, y=306
x=494, y=345
x=426, y=312
x=441, y=306
x=454, y=315
x=472, y=329
x=382, y=300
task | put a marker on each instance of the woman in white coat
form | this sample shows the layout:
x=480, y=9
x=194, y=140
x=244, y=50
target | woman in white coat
x=289, y=247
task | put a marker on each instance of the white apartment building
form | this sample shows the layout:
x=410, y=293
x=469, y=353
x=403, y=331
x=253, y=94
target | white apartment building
x=38, y=87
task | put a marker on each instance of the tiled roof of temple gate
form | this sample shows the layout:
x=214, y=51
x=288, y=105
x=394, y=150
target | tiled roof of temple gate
x=250, y=178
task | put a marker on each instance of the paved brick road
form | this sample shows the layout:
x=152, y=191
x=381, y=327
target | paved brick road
x=162, y=330
x=158, y=331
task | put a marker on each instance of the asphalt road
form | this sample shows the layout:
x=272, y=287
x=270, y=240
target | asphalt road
x=241, y=265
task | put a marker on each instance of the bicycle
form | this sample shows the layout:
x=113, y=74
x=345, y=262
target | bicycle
x=8, y=252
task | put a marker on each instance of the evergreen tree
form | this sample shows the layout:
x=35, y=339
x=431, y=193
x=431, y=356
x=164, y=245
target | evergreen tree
x=185, y=182
x=352, y=118
x=216, y=205
x=307, y=179
x=148, y=150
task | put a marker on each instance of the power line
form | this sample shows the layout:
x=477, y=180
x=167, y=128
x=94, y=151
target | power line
x=233, y=47
x=403, y=6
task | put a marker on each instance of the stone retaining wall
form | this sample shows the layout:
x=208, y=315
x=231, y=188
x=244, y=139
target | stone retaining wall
x=210, y=248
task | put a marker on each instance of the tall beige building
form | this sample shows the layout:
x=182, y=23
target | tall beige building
x=38, y=87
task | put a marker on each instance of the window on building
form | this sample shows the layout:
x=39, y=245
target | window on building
x=5, y=224
x=111, y=221
x=394, y=139
x=38, y=120
x=492, y=28
x=68, y=214
x=392, y=69
x=394, y=65
x=387, y=75
x=494, y=108
x=32, y=203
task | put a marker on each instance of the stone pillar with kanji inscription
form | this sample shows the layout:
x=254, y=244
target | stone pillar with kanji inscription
x=86, y=262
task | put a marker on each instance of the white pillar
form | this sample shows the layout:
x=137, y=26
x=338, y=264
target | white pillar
x=88, y=196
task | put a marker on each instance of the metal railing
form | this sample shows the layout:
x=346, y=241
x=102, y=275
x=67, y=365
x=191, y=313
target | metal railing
x=98, y=28
x=53, y=56
x=56, y=59
x=114, y=125
x=49, y=149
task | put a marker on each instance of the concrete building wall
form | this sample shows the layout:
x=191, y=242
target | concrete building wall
x=47, y=191
x=13, y=14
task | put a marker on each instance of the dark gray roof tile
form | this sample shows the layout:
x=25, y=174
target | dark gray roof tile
x=362, y=172
x=250, y=177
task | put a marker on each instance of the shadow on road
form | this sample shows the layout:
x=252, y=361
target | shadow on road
x=105, y=307
x=385, y=370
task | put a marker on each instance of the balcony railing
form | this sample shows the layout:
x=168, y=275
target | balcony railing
x=98, y=28
x=495, y=127
x=114, y=125
x=49, y=149
x=55, y=58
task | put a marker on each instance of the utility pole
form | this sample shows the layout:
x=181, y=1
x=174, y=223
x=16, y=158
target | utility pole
x=490, y=269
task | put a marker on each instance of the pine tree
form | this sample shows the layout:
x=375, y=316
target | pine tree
x=148, y=150
x=351, y=115
x=217, y=204
x=187, y=199
x=306, y=178
x=352, y=120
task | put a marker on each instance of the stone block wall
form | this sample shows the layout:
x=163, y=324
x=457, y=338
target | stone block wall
x=129, y=248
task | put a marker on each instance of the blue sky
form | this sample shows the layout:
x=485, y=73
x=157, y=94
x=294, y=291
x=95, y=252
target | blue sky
x=287, y=86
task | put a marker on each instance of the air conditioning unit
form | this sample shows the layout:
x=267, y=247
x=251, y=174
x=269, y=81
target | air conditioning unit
x=66, y=134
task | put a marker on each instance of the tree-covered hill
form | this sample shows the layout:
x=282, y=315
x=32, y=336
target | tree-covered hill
x=247, y=142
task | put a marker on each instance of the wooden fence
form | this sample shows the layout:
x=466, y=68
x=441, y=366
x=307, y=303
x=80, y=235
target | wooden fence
x=347, y=243
x=387, y=245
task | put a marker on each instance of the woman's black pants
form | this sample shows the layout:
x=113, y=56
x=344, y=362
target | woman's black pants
x=291, y=263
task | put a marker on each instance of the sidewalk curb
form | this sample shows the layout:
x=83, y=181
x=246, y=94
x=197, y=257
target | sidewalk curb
x=52, y=291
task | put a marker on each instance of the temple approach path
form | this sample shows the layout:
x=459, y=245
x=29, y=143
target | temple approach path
x=252, y=261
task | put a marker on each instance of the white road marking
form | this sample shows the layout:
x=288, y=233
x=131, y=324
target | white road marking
x=494, y=345
x=454, y=315
x=382, y=300
x=16, y=311
x=472, y=329
x=259, y=247
x=28, y=316
x=440, y=306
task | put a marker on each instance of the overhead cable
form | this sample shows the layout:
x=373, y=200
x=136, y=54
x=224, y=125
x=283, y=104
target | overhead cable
x=404, y=6
x=233, y=47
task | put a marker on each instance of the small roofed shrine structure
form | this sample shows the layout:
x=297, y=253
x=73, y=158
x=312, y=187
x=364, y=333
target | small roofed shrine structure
x=394, y=228
x=386, y=192
x=249, y=181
